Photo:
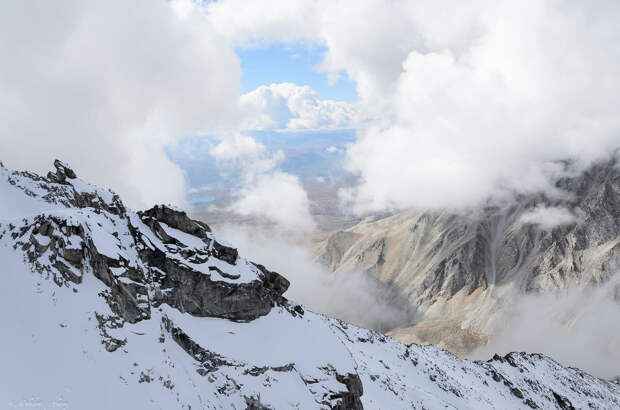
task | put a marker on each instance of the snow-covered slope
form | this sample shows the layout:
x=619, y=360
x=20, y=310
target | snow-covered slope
x=106, y=308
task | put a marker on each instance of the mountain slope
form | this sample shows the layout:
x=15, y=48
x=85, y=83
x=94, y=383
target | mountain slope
x=462, y=270
x=108, y=308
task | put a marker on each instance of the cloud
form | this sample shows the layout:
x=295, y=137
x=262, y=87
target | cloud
x=279, y=197
x=351, y=296
x=238, y=146
x=265, y=192
x=549, y=217
x=106, y=85
x=482, y=104
x=200, y=189
x=293, y=107
x=578, y=328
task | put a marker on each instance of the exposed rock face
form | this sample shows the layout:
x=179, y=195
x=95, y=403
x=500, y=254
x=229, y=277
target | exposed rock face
x=188, y=288
x=351, y=399
x=161, y=313
x=176, y=219
x=152, y=257
x=63, y=171
x=191, y=292
x=460, y=270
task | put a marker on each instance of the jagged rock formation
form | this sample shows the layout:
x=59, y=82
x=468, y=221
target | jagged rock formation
x=108, y=308
x=159, y=251
x=461, y=270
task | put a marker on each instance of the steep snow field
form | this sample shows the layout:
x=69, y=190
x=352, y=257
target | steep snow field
x=97, y=309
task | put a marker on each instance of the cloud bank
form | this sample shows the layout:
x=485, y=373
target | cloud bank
x=292, y=107
x=467, y=100
x=549, y=217
x=578, y=328
x=106, y=85
x=351, y=296
x=264, y=192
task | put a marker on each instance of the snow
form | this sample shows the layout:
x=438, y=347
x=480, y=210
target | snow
x=83, y=187
x=241, y=272
x=188, y=240
x=147, y=235
x=102, y=237
x=14, y=203
x=54, y=357
x=42, y=240
x=54, y=345
x=271, y=340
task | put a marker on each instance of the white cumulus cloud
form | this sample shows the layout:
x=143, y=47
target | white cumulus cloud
x=293, y=107
x=265, y=191
x=549, y=217
x=279, y=197
x=105, y=85
x=466, y=99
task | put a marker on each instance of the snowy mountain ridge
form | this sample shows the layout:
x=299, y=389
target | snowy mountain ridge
x=109, y=308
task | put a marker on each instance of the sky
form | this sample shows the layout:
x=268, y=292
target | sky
x=429, y=104
x=291, y=63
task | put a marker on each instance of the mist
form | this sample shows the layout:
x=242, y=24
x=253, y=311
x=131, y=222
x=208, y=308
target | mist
x=578, y=328
x=354, y=297
x=549, y=217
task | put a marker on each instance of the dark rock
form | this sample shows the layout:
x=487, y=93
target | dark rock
x=222, y=273
x=562, y=402
x=195, y=293
x=516, y=392
x=109, y=322
x=257, y=371
x=254, y=404
x=64, y=169
x=273, y=280
x=58, y=178
x=177, y=219
x=73, y=256
x=531, y=403
x=225, y=253
x=145, y=377
x=350, y=399
x=209, y=361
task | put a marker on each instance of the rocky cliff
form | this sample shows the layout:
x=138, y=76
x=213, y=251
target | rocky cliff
x=461, y=270
x=105, y=308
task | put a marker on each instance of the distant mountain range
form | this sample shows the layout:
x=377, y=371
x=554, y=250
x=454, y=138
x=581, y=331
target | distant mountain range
x=313, y=156
x=463, y=271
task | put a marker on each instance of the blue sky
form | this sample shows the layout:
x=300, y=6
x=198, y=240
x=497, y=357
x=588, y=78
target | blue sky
x=293, y=63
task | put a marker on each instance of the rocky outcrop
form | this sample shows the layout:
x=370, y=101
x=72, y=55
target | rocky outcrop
x=277, y=283
x=177, y=260
x=193, y=292
x=176, y=219
x=351, y=398
x=63, y=171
